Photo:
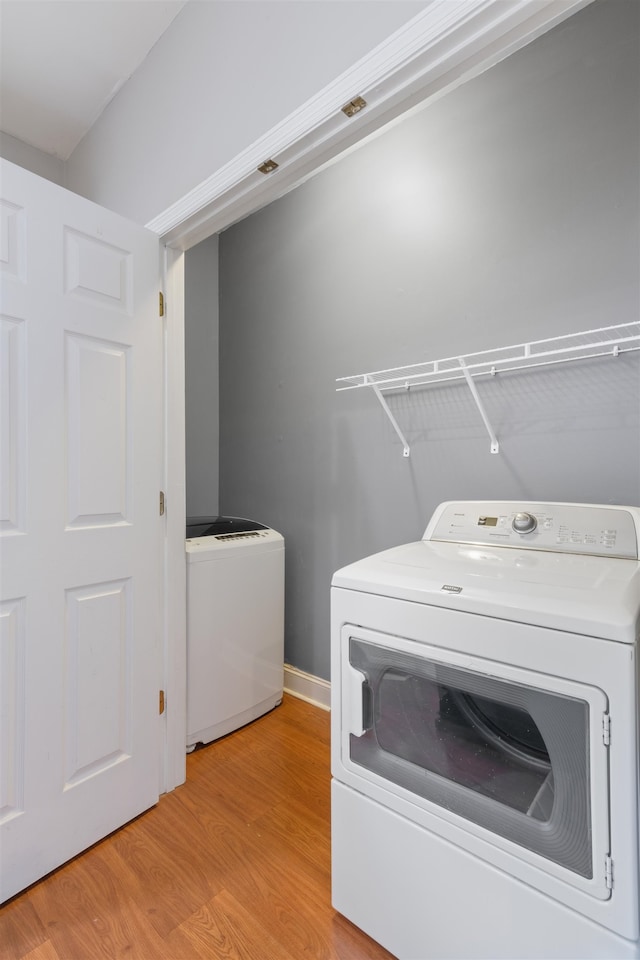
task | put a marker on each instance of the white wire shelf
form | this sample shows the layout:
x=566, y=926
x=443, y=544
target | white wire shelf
x=611, y=341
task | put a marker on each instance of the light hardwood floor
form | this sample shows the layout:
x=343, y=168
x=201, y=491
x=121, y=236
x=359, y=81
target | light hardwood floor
x=234, y=864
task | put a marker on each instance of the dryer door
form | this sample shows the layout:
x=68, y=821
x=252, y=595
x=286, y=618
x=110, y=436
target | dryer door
x=504, y=750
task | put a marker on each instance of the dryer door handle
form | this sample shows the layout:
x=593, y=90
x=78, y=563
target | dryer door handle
x=360, y=710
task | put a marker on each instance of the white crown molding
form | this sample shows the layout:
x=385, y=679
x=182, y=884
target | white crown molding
x=445, y=44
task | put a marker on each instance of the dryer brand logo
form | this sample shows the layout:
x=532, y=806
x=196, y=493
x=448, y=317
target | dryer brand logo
x=448, y=588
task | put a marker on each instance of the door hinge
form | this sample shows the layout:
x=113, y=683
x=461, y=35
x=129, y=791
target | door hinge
x=161, y=702
x=608, y=872
x=161, y=303
x=162, y=503
x=606, y=729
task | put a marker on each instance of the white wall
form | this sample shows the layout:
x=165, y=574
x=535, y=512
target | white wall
x=224, y=73
x=30, y=158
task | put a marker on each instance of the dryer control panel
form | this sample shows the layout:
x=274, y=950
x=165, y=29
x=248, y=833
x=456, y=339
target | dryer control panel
x=600, y=531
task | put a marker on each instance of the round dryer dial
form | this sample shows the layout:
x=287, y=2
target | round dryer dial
x=524, y=523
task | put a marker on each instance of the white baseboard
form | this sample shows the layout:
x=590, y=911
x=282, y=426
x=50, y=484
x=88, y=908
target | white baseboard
x=305, y=686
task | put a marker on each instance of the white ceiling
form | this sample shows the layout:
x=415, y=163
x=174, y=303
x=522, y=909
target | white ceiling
x=62, y=61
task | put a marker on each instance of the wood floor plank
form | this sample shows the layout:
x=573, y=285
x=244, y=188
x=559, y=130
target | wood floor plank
x=233, y=865
x=289, y=896
x=237, y=787
x=299, y=770
x=299, y=923
x=86, y=913
x=224, y=929
x=229, y=843
x=46, y=951
x=20, y=928
x=169, y=861
x=292, y=825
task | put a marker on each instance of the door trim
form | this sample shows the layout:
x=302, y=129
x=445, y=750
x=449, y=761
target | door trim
x=443, y=46
x=173, y=667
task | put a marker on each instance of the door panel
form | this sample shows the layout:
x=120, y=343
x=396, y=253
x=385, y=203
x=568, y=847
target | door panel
x=99, y=449
x=12, y=653
x=98, y=656
x=12, y=425
x=80, y=532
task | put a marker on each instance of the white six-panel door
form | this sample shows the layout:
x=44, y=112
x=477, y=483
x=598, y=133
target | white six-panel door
x=80, y=531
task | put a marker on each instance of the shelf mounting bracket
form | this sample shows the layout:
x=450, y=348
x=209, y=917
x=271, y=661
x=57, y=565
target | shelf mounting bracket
x=394, y=423
x=495, y=446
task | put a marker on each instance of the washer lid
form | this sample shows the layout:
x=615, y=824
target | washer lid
x=594, y=596
x=216, y=526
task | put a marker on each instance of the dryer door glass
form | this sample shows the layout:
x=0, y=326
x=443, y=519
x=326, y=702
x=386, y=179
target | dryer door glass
x=511, y=758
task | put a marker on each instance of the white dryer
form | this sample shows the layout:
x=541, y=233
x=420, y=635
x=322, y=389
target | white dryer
x=235, y=624
x=485, y=793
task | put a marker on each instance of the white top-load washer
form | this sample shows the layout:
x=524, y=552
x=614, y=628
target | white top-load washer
x=485, y=726
x=235, y=624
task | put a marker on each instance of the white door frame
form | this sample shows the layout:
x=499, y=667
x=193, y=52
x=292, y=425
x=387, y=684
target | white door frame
x=173, y=669
x=442, y=47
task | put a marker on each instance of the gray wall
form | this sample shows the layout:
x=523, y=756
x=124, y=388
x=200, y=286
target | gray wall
x=508, y=210
x=201, y=375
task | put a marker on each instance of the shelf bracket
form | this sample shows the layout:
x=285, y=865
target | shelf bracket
x=495, y=446
x=394, y=423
